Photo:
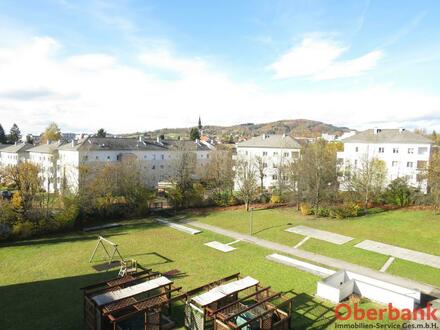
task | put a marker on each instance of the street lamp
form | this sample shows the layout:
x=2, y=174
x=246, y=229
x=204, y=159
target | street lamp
x=251, y=219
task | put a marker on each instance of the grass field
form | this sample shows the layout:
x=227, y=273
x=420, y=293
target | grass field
x=411, y=229
x=40, y=280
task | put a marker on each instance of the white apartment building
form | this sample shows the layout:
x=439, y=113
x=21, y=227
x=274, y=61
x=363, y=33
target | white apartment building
x=155, y=157
x=45, y=157
x=406, y=154
x=14, y=154
x=274, y=151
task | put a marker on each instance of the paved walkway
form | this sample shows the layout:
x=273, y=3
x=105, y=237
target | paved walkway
x=401, y=253
x=320, y=234
x=320, y=259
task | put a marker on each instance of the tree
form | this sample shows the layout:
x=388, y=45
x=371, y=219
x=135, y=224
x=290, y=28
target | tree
x=246, y=182
x=315, y=174
x=434, y=179
x=367, y=180
x=25, y=178
x=260, y=167
x=2, y=135
x=218, y=172
x=101, y=133
x=14, y=134
x=399, y=192
x=194, y=134
x=51, y=133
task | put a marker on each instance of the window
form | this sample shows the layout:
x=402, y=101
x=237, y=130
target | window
x=162, y=156
x=275, y=153
x=264, y=165
x=410, y=151
x=153, y=167
x=97, y=157
x=207, y=156
x=274, y=177
x=246, y=153
x=264, y=153
x=154, y=157
x=422, y=150
x=161, y=166
x=108, y=157
x=381, y=150
x=86, y=158
x=394, y=163
x=355, y=163
x=295, y=154
x=356, y=149
x=409, y=164
x=395, y=150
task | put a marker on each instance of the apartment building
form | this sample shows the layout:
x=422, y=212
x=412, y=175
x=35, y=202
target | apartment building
x=406, y=154
x=154, y=157
x=272, y=150
x=14, y=154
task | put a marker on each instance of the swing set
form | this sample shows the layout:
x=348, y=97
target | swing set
x=114, y=246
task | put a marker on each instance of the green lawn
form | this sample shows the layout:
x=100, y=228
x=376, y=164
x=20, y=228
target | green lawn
x=40, y=280
x=411, y=229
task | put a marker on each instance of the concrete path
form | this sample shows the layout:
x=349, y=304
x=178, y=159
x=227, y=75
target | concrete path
x=387, y=264
x=301, y=265
x=320, y=234
x=305, y=239
x=401, y=253
x=320, y=259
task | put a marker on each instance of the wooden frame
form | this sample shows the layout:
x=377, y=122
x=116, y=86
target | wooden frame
x=114, y=251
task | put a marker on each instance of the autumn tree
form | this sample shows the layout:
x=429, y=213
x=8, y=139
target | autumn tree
x=218, y=172
x=51, y=133
x=25, y=178
x=434, y=179
x=318, y=177
x=367, y=179
x=246, y=178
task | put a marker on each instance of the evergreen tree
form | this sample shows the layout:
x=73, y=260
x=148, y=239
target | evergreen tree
x=194, y=134
x=2, y=135
x=200, y=124
x=101, y=133
x=14, y=134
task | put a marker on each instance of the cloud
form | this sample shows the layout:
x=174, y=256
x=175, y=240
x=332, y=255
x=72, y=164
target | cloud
x=83, y=92
x=318, y=59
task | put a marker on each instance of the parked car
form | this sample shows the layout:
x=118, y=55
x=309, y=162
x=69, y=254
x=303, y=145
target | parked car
x=6, y=194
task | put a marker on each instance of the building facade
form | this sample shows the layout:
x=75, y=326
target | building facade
x=406, y=154
x=14, y=154
x=268, y=152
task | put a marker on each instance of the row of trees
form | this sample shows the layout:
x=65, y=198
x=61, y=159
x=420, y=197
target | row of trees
x=13, y=136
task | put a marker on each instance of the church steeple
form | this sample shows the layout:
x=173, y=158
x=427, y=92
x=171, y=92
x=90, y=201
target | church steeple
x=200, y=123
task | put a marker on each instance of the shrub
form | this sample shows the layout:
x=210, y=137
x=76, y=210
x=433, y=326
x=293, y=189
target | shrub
x=399, y=192
x=305, y=209
x=345, y=211
x=275, y=199
x=22, y=230
x=68, y=217
x=323, y=212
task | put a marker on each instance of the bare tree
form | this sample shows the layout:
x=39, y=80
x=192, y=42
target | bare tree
x=246, y=182
x=218, y=172
x=260, y=168
x=434, y=179
x=367, y=179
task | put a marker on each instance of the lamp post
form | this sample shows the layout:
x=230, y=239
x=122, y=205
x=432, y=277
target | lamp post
x=251, y=219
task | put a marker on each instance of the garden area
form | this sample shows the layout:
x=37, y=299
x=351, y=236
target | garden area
x=407, y=228
x=41, y=278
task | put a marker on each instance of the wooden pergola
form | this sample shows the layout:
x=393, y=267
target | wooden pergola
x=136, y=301
x=236, y=302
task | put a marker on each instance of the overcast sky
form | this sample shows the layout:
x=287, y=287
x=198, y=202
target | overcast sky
x=139, y=65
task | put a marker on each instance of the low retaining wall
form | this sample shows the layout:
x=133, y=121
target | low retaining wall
x=342, y=284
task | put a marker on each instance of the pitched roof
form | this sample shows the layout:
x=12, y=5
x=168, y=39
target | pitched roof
x=19, y=147
x=46, y=148
x=271, y=141
x=120, y=144
x=387, y=136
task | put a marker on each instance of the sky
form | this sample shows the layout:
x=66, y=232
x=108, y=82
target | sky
x=131, y=66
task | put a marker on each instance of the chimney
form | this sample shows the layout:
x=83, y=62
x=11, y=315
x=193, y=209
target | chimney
x=197, y=141
x=401, y=130
x=264, y=136
x=158, y=139
x=48, y=141
x=73, y=143
x=140, y=138
x=284, y=135
x=376, y=130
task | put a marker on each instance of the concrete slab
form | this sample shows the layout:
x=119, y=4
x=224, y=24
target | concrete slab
x=220, y=246
x=387, y=264
x=301, y=265
x=320, y=234
x=400, y=253
x=181, y=228
x=305, y=239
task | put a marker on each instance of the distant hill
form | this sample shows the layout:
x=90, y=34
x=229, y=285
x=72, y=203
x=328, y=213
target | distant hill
x=294, y=128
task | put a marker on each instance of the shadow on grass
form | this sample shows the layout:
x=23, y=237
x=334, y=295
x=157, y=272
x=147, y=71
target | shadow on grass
x=311, y=314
